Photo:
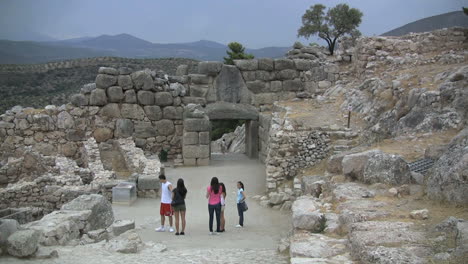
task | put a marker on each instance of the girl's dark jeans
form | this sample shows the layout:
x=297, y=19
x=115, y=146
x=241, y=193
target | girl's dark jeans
x=212, y=209
x=240, y=210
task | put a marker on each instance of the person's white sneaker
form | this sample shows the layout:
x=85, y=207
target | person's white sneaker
x=238, y=226
x=171, y=229
x=160, y=229
x=211, y=233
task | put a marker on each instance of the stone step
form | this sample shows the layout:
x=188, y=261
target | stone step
x=341, y=147
x=342, y=134
x=344, y=142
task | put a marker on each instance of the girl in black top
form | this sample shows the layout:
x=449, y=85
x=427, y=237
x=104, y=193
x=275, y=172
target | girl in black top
x=178, y=204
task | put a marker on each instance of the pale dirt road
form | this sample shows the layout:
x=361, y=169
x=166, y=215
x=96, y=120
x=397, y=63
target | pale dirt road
x=255, y=243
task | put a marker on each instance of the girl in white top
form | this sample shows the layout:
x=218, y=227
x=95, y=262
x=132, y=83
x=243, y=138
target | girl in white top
x=223, y=206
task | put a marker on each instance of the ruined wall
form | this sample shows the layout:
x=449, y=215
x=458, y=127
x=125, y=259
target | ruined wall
x=445, y=46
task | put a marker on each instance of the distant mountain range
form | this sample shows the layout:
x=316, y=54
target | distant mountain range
x=447, y=20
x=122, y=45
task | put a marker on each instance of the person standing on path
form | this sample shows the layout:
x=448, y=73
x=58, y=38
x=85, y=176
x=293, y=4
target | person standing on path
x=166, y=200
x=223, y=146
x=223, y=206
x=240, y=201
x=178, y=203
x=213, y=194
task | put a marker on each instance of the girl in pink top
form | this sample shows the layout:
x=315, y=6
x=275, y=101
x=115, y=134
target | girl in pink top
x=213, y=193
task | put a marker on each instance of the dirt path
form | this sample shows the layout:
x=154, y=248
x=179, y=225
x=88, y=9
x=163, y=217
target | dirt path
x=255, y=243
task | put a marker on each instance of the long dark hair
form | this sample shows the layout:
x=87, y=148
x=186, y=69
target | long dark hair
x=215, y=185
x=181, y=187
x=242, y=185
x=224, y=188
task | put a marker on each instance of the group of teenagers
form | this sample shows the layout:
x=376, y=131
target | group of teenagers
x=173, y=203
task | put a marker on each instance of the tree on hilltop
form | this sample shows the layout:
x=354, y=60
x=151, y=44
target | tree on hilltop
x=236, y=53
x=339, y=21
x=465, y=10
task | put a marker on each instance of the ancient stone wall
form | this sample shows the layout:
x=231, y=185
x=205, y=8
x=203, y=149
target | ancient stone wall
x=410, y=49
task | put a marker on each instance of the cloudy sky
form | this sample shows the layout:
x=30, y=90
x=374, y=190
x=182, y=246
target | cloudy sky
x=255, y=23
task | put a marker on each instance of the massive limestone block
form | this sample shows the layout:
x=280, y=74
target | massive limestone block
x=123, y=128
x=229, y=85
x=130, y=97
x=224, y=110
x=132, y=111
x=142, y=80
x=101, y=216
x=448, y=178
x=257, y=86
x=196, y=151
x=190, y=138
x=306, y=215
x=171, y=112
x=125, y=70
x=153, y=112
x=102, y=134
x=164, y=99
x=108, y=70
x=65, y=120
x=104, y=81
x=7, y=227
x=266, y=64
x=265, y=75
x=287, y=74
x=293, y=85
x=199, y=78
x=165, y=127
x=284, y=64
x=110, y=110
x=98, y=97
x=353, y=164
x=316, y=246
x=125, y=81
x=88, y=88
x=197, y=125
x=303, y=65
x=144, y=130
x=387, y=168
x=79, y=100
x=115, y=94
x=23, y=243
x=246, y=65
x=210, y=68
x=145, y=97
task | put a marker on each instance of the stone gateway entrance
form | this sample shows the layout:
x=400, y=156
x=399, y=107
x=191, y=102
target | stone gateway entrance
x=197, y=127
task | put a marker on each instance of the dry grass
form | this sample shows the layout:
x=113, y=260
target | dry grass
x=418, y=144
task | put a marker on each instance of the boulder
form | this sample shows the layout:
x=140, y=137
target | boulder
x=447, y=180
x=128, y=242
x=197, y=125
x=312, y=185
x=153, y=112
x=123, y=128
x=461, y=238
x=132, y=111
x=165, y=127
x=142, y=80
x=293, y=85
x=7, y=227
x=108, y=70
x=164, y=99
x=98, y=235
x=284, y=64
x=45, y=253
x=229, y=85
x=144, y=130
x=65, y=120
x=199, y=79
x=246, y=65
x=98, y=97
x=101, y=216
x=266, y=64
x=110, y=110
x=115, y=94
x=104, y=81
x=211, y=68
x=145, y=97
x=125, y=70
x=171, y=112
x=88, y=88
x=102, y=134
x=125, y=81
x=122, y=226
x=130, y=97
x=79, y=100
x=307, y=216
x=23, y=243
